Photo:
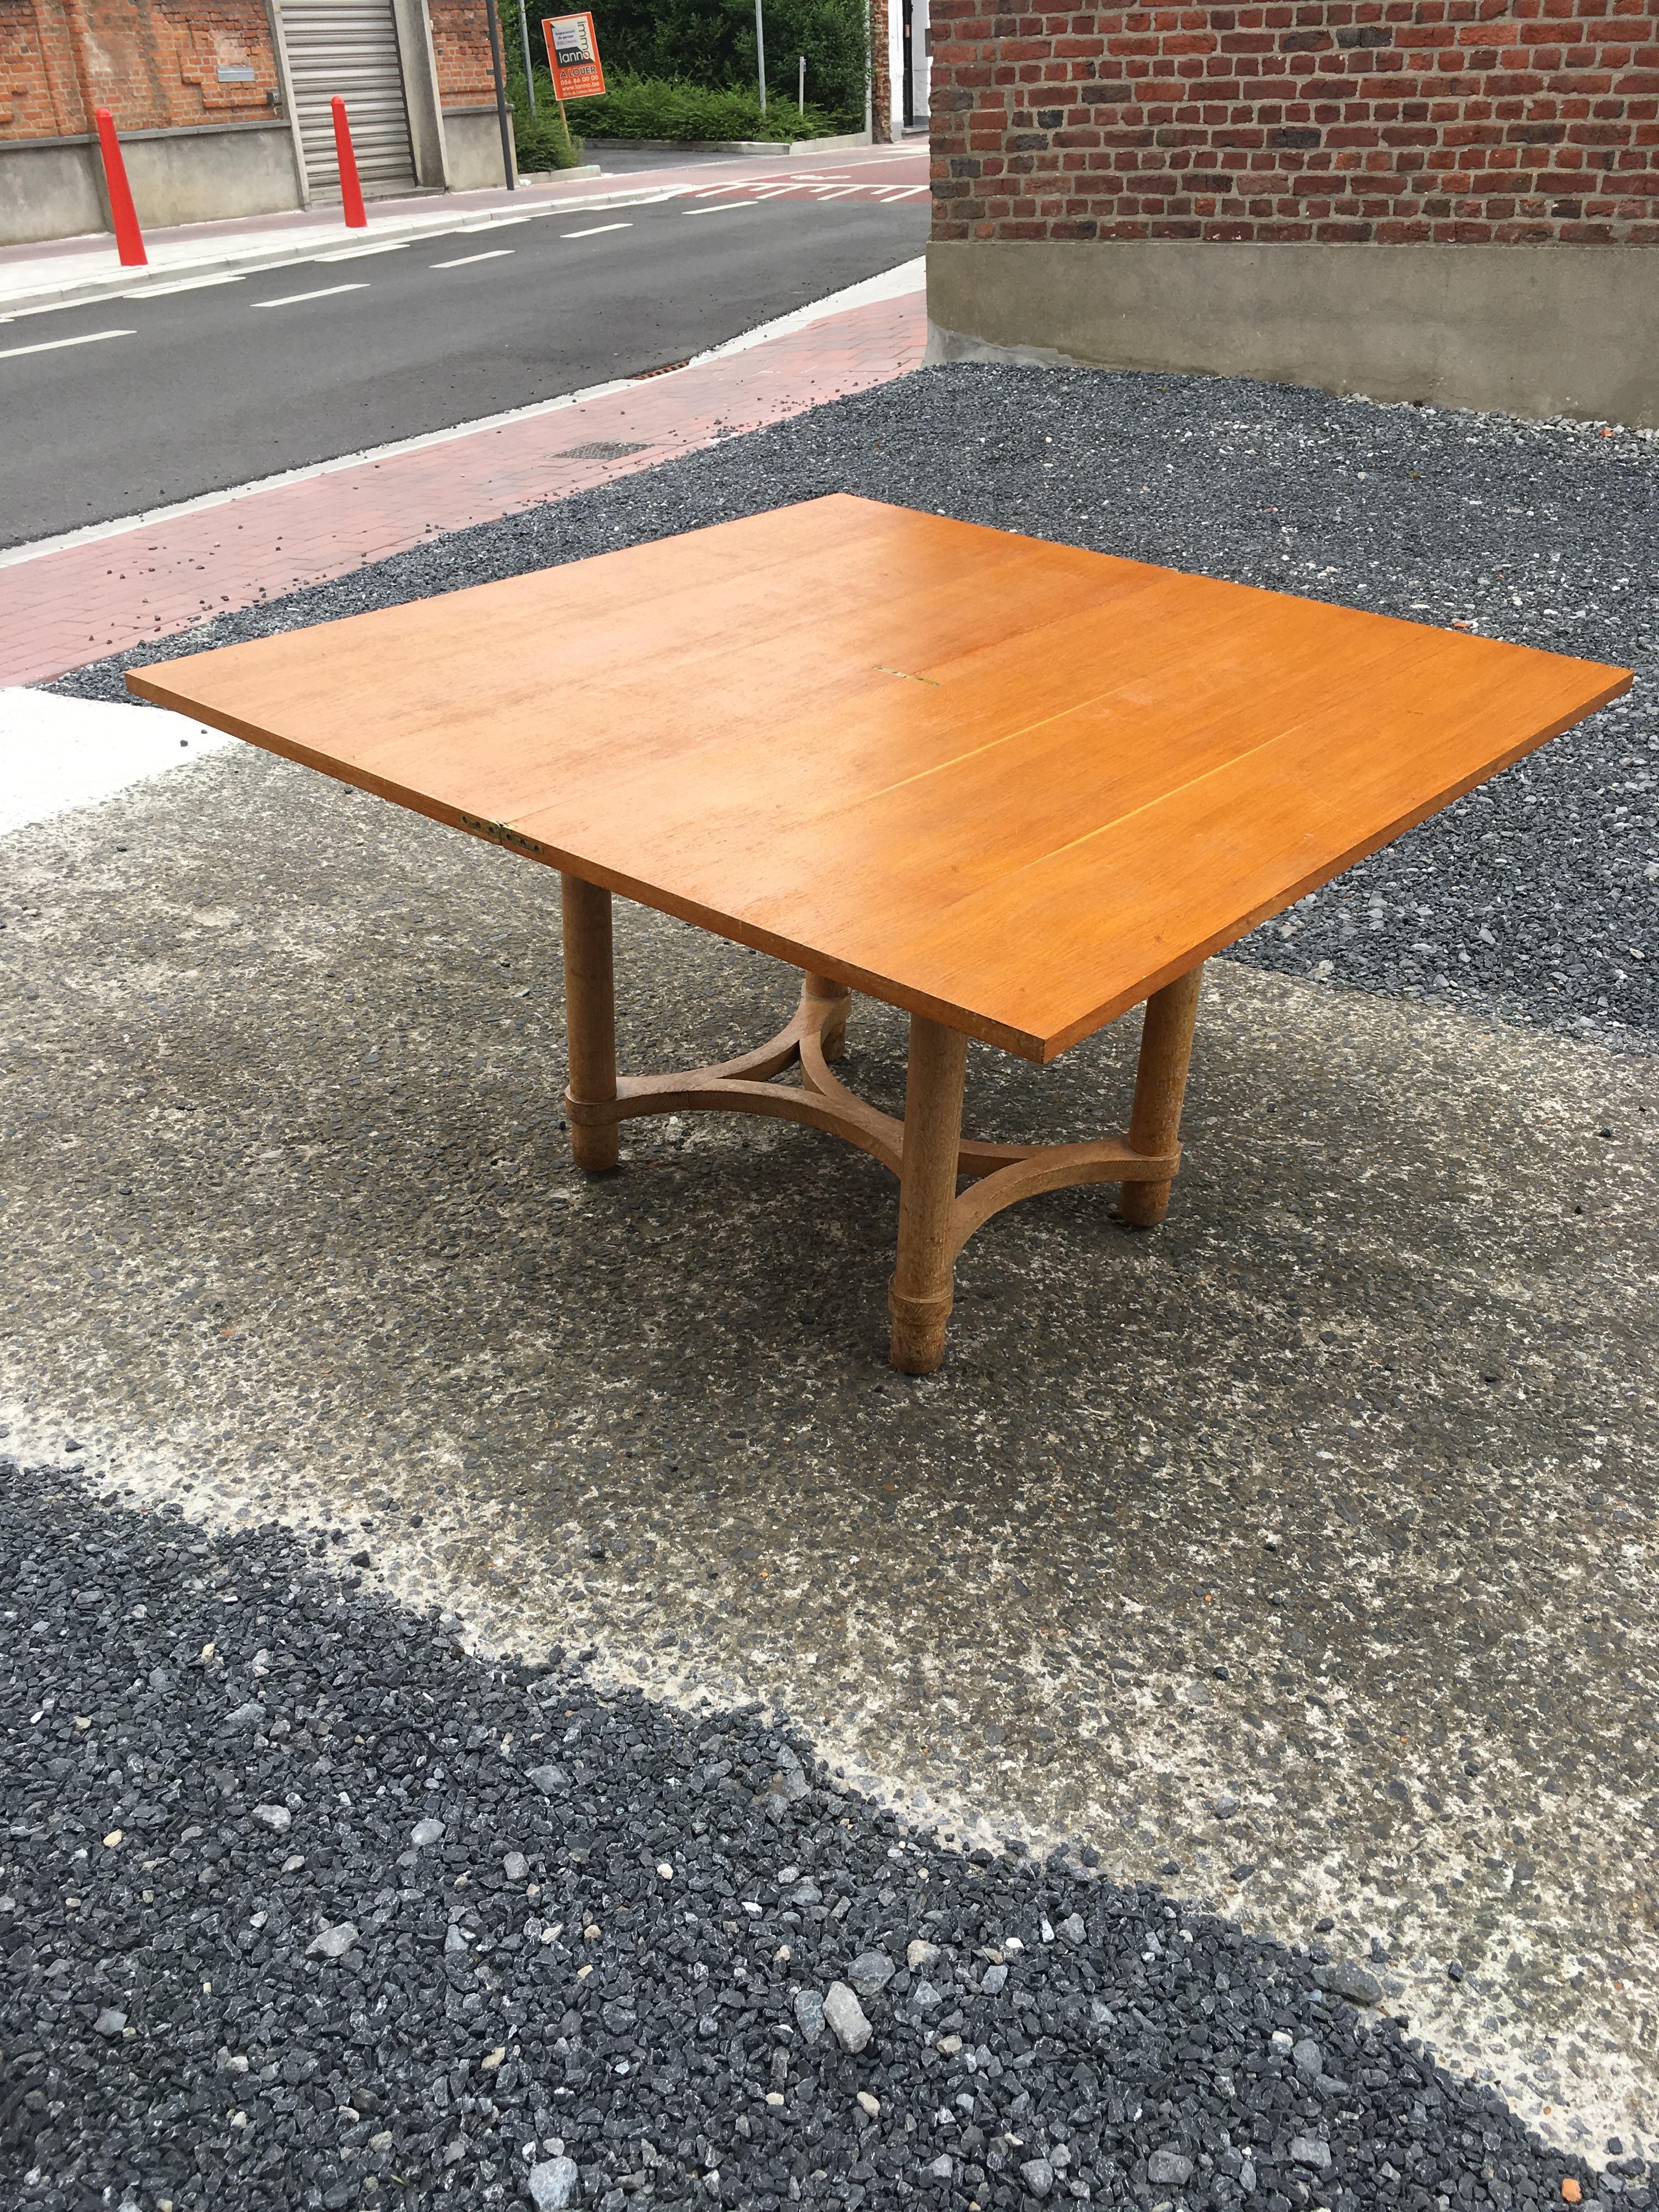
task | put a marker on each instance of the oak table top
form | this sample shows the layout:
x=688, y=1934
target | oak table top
x=1012, y=787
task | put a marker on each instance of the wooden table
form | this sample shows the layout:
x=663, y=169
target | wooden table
x=1010, y=786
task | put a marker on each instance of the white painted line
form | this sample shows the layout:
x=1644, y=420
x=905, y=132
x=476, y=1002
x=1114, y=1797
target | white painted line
x=466, y=260
x=183, y=284
x=910, y=277
x=56, y=754
x=597, y=231
x=908, y=191
x=736, y=207
x=51, y=345
x=328, y=292
x=358, y=253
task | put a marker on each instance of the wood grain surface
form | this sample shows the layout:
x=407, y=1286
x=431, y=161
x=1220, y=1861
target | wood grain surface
x=1012, y=787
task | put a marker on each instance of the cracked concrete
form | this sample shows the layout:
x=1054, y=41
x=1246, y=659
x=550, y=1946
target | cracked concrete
x=1331, y=1503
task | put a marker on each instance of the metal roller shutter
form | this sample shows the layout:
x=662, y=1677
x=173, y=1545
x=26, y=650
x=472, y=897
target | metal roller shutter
x=349, y=47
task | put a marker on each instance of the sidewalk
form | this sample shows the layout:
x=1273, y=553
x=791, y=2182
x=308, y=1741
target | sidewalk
x=119, y=584
x=68, y=271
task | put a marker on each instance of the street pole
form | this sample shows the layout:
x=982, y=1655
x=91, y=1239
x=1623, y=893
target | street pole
x=760, y=53
x=529, y=66
x=801, y=100
x=502, y=114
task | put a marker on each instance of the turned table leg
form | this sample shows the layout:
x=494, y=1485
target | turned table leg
x=920, y=1295
x=1166, y=1046
x=590, y=1013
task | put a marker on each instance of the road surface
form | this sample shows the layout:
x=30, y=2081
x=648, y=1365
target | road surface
x=134, y=403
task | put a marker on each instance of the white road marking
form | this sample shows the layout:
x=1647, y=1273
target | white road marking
x=358, y=253
x=734, y=207
x=895, y=285
x=51, y=345
x=293, y=299
x=183, y=284
x=465, y=260
x=908, y=191
x=597, y=231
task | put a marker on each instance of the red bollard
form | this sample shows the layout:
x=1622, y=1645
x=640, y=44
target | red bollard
x=351, y=192
x=129, y=238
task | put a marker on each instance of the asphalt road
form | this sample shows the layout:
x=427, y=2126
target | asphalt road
x=223, y=383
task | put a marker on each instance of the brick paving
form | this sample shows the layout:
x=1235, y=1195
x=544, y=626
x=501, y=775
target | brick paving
x=81, y=601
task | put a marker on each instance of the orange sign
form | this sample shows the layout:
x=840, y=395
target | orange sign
x=573, y=53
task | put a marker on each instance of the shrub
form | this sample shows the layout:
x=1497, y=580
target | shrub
x=656, y=107
x=539, y=140
x=680, y=48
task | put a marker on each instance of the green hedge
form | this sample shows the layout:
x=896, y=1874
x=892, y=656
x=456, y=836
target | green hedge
x=663, y=57
x=651, y=107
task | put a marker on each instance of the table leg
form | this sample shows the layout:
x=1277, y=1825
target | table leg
x=590, y=1014
x=920, y=1295
x=834, y=1033
x=1166, y=1045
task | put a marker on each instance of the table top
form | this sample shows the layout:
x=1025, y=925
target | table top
x=1013, y=785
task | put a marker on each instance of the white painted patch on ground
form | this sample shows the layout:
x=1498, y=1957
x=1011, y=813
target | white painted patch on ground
x=56, y=754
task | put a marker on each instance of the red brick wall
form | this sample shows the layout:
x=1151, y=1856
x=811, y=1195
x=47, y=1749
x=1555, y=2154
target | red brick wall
x=1391, y=122
x=460, y=46
x=153, y=68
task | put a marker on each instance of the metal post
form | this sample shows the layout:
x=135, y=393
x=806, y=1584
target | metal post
x=760, y=53
x=529, y=65
x=801, y=100
x=502, y=117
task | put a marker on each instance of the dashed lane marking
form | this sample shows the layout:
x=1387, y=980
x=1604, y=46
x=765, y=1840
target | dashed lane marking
x=51, y=345
x=328, y=292
x=360, y=252
x=466, y=260
x=183, y=284
x=597, y=231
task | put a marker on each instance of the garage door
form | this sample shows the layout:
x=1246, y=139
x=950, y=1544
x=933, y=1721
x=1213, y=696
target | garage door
x=349, y=47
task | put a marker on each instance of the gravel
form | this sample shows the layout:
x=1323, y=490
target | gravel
x=196, y=2012
x=1535, y=899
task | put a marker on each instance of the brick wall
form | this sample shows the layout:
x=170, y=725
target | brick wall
x=460, y=46
x=154, y=69
x=1388, y=122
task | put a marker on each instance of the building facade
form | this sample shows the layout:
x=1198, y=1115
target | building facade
x=223, y=105
x=1440, y=200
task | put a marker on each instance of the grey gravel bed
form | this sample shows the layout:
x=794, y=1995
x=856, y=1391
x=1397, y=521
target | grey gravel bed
x=301, y=1907
x=1536, y=898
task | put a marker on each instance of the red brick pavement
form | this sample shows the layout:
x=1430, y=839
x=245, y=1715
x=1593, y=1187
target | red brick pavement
x=76, y=604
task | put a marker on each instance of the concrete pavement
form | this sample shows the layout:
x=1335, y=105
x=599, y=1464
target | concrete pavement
x=1294, y=1559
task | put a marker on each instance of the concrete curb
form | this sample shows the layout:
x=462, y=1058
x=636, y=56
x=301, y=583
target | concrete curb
x=273, y=253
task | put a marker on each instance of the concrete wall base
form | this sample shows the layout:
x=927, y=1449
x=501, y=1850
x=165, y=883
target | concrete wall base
x=472, y=148
x=1533, y=331
x=54, y=188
